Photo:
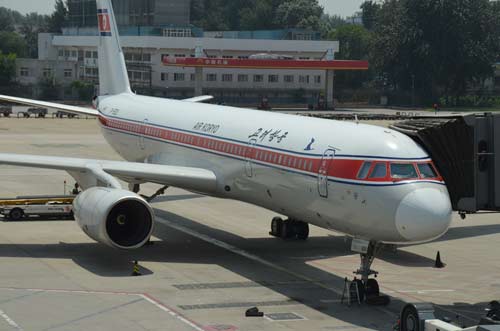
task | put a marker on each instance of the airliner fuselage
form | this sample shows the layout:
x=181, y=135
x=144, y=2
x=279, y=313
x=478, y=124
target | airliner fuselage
x=366, y=181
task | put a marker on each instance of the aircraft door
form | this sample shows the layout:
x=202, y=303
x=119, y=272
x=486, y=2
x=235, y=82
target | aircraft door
x=142, y=134
x=324, y=167
x=249, y=151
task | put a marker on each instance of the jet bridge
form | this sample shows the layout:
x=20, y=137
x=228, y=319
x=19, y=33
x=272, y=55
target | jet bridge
x=466, y=151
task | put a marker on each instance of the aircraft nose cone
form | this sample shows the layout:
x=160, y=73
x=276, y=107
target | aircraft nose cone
x=424, y=214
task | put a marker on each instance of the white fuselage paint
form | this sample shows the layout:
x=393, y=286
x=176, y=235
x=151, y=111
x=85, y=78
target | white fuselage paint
x=136, y=127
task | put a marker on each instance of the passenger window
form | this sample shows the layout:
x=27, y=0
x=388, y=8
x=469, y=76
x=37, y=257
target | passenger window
x=365, y=168
x=403, y=171
x=379, y=171
x=427, y=170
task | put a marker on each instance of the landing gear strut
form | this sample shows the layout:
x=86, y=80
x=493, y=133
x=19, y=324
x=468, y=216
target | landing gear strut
x=369, y=287
x=289, y=229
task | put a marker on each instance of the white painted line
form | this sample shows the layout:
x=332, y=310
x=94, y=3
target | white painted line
x=144, y=296
x=420, y=291
x=10, y=321
x=172, y=313
x=255, y=258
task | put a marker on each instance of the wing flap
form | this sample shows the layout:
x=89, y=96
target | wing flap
x=58, y=106
x=195, y=179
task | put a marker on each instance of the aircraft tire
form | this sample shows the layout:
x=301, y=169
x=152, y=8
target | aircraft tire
x=302, y=230
x=276, y=226
x=287, y=230
x=372, y=288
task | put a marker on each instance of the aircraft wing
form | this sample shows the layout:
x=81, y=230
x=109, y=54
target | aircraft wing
x=58, y=106
x=201, y=98
x=194, y=179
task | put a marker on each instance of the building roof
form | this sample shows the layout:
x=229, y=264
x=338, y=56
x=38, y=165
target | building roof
x=250, y=45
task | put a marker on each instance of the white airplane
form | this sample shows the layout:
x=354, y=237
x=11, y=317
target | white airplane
x=371, y=183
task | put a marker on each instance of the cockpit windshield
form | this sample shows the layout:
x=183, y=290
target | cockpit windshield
x=403, y=171
x=426, y=170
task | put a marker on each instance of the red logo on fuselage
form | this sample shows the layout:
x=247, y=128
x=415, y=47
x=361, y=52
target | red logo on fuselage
x=104, y=22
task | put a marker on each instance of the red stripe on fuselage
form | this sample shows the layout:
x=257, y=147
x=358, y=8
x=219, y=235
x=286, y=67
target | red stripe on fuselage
x=341, y=168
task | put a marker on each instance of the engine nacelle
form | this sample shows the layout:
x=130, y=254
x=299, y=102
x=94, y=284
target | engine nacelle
x=114, y=217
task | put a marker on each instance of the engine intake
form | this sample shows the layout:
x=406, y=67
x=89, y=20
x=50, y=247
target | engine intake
x=114, y=217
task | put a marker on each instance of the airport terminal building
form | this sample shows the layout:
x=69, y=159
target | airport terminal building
x=152, y=30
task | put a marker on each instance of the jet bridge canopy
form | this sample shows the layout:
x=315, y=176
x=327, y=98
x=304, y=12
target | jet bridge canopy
x=464, y=149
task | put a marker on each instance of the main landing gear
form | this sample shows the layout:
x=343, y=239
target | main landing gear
x=289, y=229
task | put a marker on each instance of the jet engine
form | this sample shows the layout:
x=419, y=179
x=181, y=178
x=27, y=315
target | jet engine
x=114, y=217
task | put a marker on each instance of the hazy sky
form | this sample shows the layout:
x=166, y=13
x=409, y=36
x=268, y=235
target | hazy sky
x=339, y=7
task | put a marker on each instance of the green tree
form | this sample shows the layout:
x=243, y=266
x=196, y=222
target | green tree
x=85, y=90
x=355, y=42
x=370, y=9
x=11, y=42
x=7, y=68
x=58, y=18
x=9, y=18
x=437, y=46
x=32, y=26
x=299, y=14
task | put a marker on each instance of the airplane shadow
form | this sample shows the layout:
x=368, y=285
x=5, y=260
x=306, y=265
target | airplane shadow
x=175, y=246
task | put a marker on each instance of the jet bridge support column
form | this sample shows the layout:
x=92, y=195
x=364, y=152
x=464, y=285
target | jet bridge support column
x=198, y=81
x=330, y=78
x=198, y=73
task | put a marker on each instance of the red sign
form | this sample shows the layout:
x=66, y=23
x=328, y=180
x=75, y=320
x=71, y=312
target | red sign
x=266, y=64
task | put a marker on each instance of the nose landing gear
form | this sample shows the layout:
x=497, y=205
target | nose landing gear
x=368, y=287
x=289, y=229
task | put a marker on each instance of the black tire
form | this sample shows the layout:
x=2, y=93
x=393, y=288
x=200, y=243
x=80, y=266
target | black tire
x=16, y=214
x=276, y=226
x=409, y=319
x=371, y=288
x=287, y=230
x=302, y=230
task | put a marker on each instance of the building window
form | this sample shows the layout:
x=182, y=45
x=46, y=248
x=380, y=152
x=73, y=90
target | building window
x=227, y=56
x=94, y=55
x=273, y=78
x=94, y=72
x=258, y=78
x=317, y=79
x=179, y=77
x=304, y=79
x=289, y=78
x=73, y=54
x=211, y=77
x=68, y=73
x=193, y=77
x=47, y=72
x=243, y=57
x=242, y=78
x=88, y=54
x=304, y=58
x=66, y=53
x=180, y=55
x=227, y=77
x=146, y=57
x=24, y=72
x=164, y=76
x=183, y=33
x=61, y=53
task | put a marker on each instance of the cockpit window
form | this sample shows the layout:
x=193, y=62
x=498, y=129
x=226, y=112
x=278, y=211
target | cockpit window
x=403, y=171
x=427, y=170
x=379, y=171
x=365, y=168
